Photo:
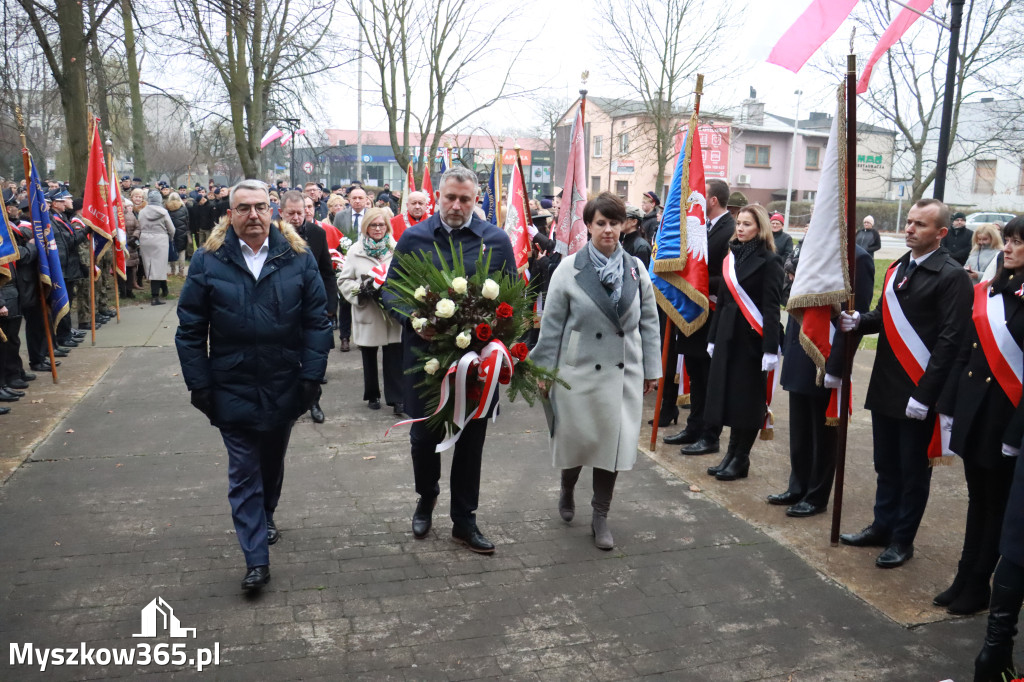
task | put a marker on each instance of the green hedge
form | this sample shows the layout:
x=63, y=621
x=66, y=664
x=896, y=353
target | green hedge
x=884, y=213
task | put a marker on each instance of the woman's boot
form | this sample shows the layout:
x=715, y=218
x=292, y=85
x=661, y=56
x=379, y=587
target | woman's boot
x=604, y=486
x=566, y=500
x=946, y=597
x=154, y=291
x=725, y=460
x=996, y=657
x=974, y=597
x=740, y=441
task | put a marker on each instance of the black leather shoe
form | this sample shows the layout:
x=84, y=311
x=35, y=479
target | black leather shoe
x=28, y=376
x=895, y=555
x=17, y=383
x=422, y=517
x=59, y=352
x=666, y=418
x=255, y=578
x=68, y=343
x=375, y=404
x=42, y=367
x=13, y=391
x=343, y=346
x=974, y=598
x=473, y=539
x=5, y=410
x=701, y=447
x=869, y=537
x=317, y=414
x=6, y=397
x=684, y=437
x=784, y=499
x=78, y=333
x=804, y=509
x=399, y=409
x=273, y=534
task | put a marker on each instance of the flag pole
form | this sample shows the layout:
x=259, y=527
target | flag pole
x=500, y=160
x=117, y=237
x=851, y=346
x=39, y=279
x=669, y=325
x=92, y=264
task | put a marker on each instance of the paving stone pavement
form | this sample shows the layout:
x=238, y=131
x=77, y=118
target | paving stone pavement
x=132, y=505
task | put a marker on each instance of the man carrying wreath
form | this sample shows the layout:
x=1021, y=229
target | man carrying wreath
x=452, y=227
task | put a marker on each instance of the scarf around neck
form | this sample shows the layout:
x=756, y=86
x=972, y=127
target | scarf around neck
x=376, y=249
x=609, y=270
x=741, y=251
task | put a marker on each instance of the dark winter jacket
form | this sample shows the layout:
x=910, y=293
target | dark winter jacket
x=68, y=240
x=179, y=218
x=266, y=334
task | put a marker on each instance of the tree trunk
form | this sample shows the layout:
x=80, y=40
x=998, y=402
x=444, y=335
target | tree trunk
x=100, y=74
x=138, y=120
x=73, y=94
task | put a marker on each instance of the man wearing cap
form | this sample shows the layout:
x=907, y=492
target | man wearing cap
x=634, y=242
x=737, y=200
x=126, y=184
x=69, y=244
x=958, y=241
x=650, y=223
x=783, y=242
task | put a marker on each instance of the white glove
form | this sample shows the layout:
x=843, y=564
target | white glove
x=945, y=422
x=769, y=362
x=916, y=410
x=849, y=321
x=1010, y=451
x=946, y=433
x=832, y=381
x=711, y=349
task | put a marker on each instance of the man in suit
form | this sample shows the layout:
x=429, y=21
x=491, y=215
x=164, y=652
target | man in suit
x=293, y=210
x=699, y=437
x=812, y=442
x=348, y=222
x=453, y=228
x=922, y=316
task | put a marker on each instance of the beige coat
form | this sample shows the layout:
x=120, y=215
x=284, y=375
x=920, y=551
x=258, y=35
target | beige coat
x=370, y=326
x=155, y=233
x=604, y=352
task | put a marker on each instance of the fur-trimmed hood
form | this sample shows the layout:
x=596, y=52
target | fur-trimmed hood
x=216, y=238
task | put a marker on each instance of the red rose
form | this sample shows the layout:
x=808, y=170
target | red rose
x=473, y=391
x=504, y=311
x=505, y=376
x=519, y=351
x=483, y=332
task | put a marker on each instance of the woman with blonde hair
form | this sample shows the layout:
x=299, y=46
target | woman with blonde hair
x=366, y=266
x=743, y=341
x=986, y=243
x=179, y=218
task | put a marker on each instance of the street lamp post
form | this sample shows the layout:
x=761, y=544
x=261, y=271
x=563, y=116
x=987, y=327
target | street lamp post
x=294, y=123
x=792, y=156
x=957, y=11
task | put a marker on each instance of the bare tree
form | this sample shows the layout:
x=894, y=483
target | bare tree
x=427, y=54
x=132, y=67
x=654, y=54
x=550, y=111
x=908, y=84
x=266, y=53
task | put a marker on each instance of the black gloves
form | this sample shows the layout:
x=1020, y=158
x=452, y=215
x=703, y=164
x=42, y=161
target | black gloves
x=202, y=400
x=309, y=394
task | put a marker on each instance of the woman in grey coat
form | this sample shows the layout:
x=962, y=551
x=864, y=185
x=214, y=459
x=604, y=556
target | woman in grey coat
x=155, y=233
x=600, y=331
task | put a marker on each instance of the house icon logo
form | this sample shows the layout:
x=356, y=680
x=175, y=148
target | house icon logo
x=158, y=615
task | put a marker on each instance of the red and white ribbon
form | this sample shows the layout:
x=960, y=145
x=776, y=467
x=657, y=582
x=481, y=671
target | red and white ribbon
x=1002, y=353
x=742, y=298
x=379, y=272
x=906, y=345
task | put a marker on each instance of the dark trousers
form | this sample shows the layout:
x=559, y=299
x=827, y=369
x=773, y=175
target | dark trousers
x=671, y=390
x=812, y=448
x=10, y=358
x=987, y=493
x=698, y=366
x=344, y=319
x=904, y=476
x=392, y=353
x=35, y=336
x=465, y=476
x=255, y=475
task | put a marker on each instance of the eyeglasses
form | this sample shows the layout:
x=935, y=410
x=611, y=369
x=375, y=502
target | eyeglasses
x=246, y=209
x=382, y=226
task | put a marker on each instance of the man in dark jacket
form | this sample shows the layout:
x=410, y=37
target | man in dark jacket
x=12, y=373
x=958, y=241
x=650, y=222
x=255, y=293
x=69, y=238
x=922, y=317
x=868, y=237
x=633, y=240
x=453, y=224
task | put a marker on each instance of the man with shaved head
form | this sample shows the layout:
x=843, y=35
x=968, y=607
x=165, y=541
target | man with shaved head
x=415, y=212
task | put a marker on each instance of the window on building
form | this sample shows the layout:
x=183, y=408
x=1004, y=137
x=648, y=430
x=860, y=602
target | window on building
x=622, y=188
x=758, y=156
x=624, y=143
x=810, y=195
x=813, y=158
x=985, y=176
x=595, y=184
x=598, y=145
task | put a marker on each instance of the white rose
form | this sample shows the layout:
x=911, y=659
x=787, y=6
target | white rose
x=420, y=294
x=445, y=308
x=463, y=339
x=490, y=289
x=459, y=285
x=418, y=323
x=431, y=366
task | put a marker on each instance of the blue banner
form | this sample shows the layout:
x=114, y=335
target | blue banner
x=490, y=204
x=49, y=261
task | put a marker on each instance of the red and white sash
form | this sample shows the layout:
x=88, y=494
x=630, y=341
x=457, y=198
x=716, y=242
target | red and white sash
x=740, y=295
x=1002, y=353
x=832, y=411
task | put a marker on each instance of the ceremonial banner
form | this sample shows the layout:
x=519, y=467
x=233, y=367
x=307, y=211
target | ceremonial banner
x=679, y=266
x=903, y=21
x=823, y=276
x=288, y=138
x=445, y=155
x=271, y=135
x=96, y=203
x=809, y=32
x=8, y=251
x=428, y=187
x=570, y=230
x=49, y=261
x=517, y=217
x=490, y=204
x=117, y=222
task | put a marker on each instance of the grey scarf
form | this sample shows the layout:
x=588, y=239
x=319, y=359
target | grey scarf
x=609, y=270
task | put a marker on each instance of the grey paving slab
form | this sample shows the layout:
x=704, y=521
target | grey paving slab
x=133, y=505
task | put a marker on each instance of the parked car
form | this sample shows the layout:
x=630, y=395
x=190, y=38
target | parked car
x=979, y=218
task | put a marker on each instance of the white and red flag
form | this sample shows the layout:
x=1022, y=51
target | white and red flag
x=117, y=223
x=517, y=216
x=288, y=136
x=903, y=21
x=96, y=200
x=428, y=187
x=271, y=135
x=570, y=230
x=410, y=186
x=809, y=32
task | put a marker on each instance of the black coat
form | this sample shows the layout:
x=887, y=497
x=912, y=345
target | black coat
x=937, y=301
x=179, y=218
x=421, y=238
x=636, y=245
x=958, y=243
x=869, y=240
x=649, y=225
x=20, y=291
x=316, y=237
x=982, y=413
x=265, y=334
x=783, y=244
x=799, y=373
x=719, y=237
x=68, y=240
x=736, y=384
x=200, y=216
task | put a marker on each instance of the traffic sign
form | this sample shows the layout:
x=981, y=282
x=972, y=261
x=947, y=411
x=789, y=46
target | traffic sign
x=308, y=167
